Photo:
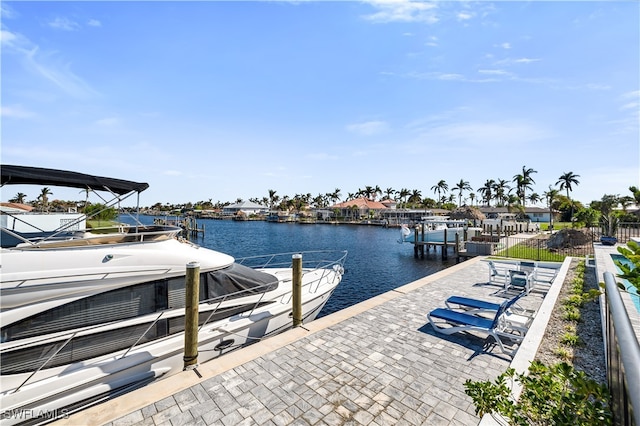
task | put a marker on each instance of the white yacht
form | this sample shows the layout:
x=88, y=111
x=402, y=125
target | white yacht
x=86, y=316
x=436, y=228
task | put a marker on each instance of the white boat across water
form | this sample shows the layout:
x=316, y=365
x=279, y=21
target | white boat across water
x=434, y=229
x=89, y=316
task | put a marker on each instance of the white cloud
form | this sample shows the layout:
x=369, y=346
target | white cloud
x=632, y=95
x=321, y=156
x=447, y=77
x=108, y=122
x=432, y=41
x=94, y=23
x=368, y=128
x=45, y=64
x=494, y=72
x=15, y=112
x=463, y=16
x=525, y=60
x=595, y=86
x=64, y=24
x=11, y=40
x=403, y=11
x=7, y=12
x=487, y=135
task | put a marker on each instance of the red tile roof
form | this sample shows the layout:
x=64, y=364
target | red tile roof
x=361, y=203
x=18, y=206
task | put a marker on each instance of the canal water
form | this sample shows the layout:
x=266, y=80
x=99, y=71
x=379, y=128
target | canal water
x=376, y=262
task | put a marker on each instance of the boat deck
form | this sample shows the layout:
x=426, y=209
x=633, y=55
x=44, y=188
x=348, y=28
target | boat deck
x=378, y=362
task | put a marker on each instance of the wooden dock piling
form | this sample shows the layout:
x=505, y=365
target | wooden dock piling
x=192, y=294
x=419, y=245
x=296, y=282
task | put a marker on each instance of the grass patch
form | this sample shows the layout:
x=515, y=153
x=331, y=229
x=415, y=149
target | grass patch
x=524, y=251
x=103, y=226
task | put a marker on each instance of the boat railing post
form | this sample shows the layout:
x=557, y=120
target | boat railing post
x=296, y=281
x=192, y=294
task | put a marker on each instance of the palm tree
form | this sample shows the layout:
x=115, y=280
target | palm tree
x=368, y=192
x=636, y=194
x=273, y=198
x=501, y=191
x=403, y=194
x=376, y=191
x=439, y=188
x=389, y=192
x=486, y=191
x=415, y=197
x=44, y=197
x=550, y=195
x=19, y=198
x=566, y=180
x=335, y=195
x=463, y=185
x=534, y=198
x=523, y=182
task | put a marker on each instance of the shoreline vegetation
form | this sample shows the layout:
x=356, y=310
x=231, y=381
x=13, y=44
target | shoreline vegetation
x=373, y=204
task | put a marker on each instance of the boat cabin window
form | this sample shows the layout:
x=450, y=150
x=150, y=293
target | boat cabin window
x=124, y=303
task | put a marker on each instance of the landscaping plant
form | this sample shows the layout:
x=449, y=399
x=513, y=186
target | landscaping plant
x=555, y=395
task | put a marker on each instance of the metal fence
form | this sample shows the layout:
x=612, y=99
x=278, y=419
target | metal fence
x=626, y=231
x=543, y=247
x=623, y=357
x=556, y=246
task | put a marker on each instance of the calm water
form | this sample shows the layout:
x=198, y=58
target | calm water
x=376, y=262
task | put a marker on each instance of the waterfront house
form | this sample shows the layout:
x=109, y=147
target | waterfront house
x=535, y=214
x=359, y=208
x=246, y=208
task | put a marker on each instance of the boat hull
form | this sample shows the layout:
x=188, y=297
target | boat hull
x=438, y=235
x=59, y=391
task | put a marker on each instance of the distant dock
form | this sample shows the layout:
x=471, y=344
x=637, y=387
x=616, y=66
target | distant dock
x=189, y=225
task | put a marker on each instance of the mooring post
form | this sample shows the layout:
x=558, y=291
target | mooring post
x=443, y=251
x=297, y=289
x=191, y=315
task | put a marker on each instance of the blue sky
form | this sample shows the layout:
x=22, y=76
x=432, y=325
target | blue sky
x=227, y=100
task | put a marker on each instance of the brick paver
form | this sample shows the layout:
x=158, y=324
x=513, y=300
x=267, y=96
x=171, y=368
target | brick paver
x=383, y=366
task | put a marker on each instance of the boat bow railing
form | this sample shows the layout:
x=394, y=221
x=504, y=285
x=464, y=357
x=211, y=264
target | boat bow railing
x=312, y=261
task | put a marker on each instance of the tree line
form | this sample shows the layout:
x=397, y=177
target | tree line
x=513, y=194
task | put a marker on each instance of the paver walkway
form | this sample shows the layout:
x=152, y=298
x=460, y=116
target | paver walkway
x=376, y=363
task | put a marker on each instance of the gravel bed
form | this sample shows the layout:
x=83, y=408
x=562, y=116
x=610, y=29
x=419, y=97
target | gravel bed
x=589, y=355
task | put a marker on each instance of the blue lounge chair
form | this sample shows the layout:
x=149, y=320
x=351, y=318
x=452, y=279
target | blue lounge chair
x=449, y=321
x=479, y=306
x=471, y=305
x=518, y=316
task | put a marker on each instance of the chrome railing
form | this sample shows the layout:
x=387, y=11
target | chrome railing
x=623, y=357
x=311, y=261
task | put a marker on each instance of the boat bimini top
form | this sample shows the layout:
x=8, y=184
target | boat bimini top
x=23, y=175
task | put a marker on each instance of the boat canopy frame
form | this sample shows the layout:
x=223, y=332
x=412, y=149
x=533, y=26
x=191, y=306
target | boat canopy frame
x=24, y=175
x=119, y=189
